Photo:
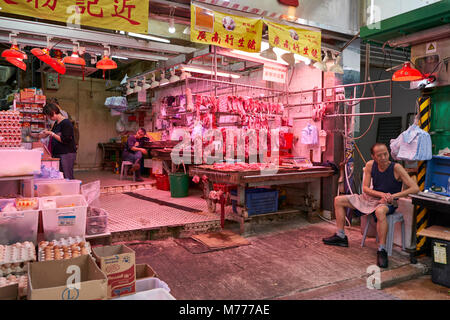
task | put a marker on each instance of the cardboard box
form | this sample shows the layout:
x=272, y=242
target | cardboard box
x=10, y=292
x=48, y=280
x=119, y=265
x=144, y=271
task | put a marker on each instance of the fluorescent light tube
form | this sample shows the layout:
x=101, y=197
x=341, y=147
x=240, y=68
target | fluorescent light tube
x=199, y=69
x=146, y=37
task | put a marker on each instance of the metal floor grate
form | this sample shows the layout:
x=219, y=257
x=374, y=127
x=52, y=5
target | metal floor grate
x=128, y=213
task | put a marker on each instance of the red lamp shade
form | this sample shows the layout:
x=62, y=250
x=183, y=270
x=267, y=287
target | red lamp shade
x=17, y=62
x=14, y=52
x=57, y=63
x=43, y=55
x=106, y=63
x=406, y=73
x=74, y=58
x=58, y=66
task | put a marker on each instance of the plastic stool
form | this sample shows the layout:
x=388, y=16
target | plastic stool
x=124, y=166
x=392, y=219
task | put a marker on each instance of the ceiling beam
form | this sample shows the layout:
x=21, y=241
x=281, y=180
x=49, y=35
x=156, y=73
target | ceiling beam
x=68, y=46
x=89, y=36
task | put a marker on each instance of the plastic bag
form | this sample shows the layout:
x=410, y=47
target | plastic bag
x=120, y=127
x=91, y=192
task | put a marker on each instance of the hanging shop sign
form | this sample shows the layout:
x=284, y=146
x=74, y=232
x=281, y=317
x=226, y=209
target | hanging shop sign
x=225, y=30
x=124, y=15
x=300, y=41
x=275, y=74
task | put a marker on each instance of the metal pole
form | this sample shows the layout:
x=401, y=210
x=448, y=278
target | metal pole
x=346, y=115
x=215, y=70
x=238, y=84
x=342, y=86
x=337, y=101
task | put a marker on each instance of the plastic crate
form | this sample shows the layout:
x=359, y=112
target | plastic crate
x=52, y=187
x=67, y=220
x=438, y=172
x=440, y=272
x=154, y=294
x=150, y=284
x=96, y=221
x=259, y=201
x=18, y=226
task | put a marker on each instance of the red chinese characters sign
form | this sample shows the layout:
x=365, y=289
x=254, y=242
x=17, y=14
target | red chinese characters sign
x=125, y=15
x=225, y=30
x=300, y=41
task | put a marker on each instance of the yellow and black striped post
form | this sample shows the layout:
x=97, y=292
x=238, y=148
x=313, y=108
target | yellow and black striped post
x=422, y=215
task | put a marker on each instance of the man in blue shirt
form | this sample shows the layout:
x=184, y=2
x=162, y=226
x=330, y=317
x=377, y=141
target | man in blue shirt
x=133, y=152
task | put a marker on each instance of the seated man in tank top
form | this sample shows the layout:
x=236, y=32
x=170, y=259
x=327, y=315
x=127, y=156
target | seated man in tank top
x=387, y=178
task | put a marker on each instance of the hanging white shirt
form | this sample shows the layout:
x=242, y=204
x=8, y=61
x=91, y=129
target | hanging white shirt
x=310, y=135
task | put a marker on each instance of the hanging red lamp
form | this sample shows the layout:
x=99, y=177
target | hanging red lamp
x=57, y=63
x=406, y=73
x=74, y=58
x=15, y=56
x=14, y=52
x=106, y=63
x=17, y=62
x=43, y=55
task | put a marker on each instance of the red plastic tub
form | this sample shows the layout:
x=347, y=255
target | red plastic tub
x=162, y=182
x=286, y=140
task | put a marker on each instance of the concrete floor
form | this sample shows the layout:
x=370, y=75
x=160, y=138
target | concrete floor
x=421, y=288
x=287, y=264
x=107, y=178
x=286, y=259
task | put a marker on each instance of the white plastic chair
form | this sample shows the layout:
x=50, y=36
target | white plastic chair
x=392, y=219
x=124, y=166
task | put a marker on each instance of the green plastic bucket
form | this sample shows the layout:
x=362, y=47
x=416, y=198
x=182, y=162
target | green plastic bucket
x=179, y=185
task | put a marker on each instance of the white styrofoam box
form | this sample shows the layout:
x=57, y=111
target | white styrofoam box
x=147, y=163
x=68, y=219
x=52, y=187
x=51, y=164
x=19, y=162
x=157, y=166
x=18, y=226
x=150, y=284
x=154, y=294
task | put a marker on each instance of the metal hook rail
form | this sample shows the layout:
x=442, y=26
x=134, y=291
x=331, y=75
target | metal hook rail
x=357, y=100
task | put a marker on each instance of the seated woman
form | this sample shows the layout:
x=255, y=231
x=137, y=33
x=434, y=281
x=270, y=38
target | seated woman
x=133, y=152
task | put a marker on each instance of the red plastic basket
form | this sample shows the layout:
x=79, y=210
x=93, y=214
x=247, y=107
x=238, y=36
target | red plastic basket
x=162, y=182
x=286, y=140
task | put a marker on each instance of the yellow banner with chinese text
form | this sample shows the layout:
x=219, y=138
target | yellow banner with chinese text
x=225, y=30
x=124, y=15
x=300, y=41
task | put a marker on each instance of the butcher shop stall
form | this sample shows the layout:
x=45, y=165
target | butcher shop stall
x=253, y=129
